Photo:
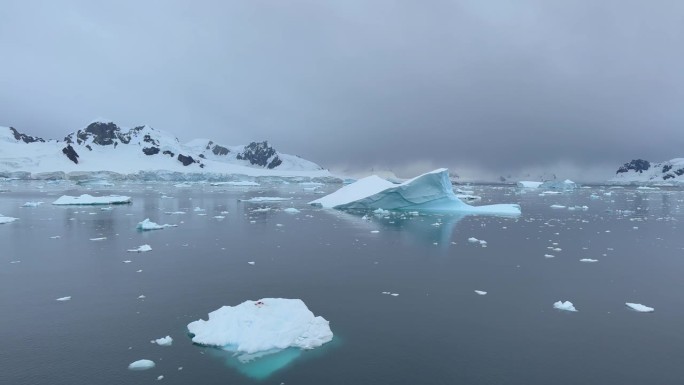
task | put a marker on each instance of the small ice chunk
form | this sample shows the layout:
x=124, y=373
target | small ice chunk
x=380, y=212
x=557, y=206
x=375, y=231
x=251, y=262
x=86, y=199
x=127, y=261
x=480, y=292
x=473, y=240
x=264, y=199
x=394, y=294
x=62, y=299
x=588, y=260
x=164, y=341
x=567, y=306
x=141, y=249
x=141, y=296
x=149, y=225
x=141, y=365
x=160, y=378
x=291, y=210
x=639, y=307
x=98, y=239
x=55, y=237
x=4, y=220
x=549, y=256
x=32, y=204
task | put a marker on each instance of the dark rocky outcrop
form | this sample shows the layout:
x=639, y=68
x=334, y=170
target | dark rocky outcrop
x=150, y=150
x=169, y=153
x=25, y=138
x=217, y=149
x=186, y=160
x=103, y=134
x=260, y=154
x=70, y=153
x=637, y=165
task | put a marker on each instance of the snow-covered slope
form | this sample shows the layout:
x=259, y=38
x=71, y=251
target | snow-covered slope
x=104, y=146
x=643, y=171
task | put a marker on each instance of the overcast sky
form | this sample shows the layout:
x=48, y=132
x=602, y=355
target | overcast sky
x=491, y=87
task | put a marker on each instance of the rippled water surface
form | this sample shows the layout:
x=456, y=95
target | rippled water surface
x=437, y=330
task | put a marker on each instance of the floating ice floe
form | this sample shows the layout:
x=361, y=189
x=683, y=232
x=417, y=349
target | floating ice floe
x=528, y=184
x=480, y=292
x=588, y=260
x=141, y=365
x=86, y=199
x=428, y=192
x=291, y=210
x=255, y=328
x=559, y=185
x=639, y=307
x=149, y=225
x=236, y=183
x=4, y=220
x=32, y=204
x=264, y=199
x=141, y=249
x=557, y=206
x=164, y=341
x=98, y=239
x=62, y=299
x=567, y=306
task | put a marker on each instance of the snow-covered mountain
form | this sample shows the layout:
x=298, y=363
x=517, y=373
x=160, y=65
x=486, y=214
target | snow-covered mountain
x=104, y=146
x=643, y=171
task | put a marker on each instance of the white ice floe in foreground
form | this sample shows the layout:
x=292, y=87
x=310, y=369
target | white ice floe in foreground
x=4, y=220
x=147, y=224
x=431, y=191
x=86, y=199
x=141, y=249
x=164, y=341
x=264, y=326
x=141, y=365
x=639, y=307
x=567, y=306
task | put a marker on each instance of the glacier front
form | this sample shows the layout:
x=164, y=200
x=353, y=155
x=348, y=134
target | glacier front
x=431, y=191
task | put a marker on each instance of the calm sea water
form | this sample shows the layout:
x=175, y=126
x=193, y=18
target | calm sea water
x=436, y=331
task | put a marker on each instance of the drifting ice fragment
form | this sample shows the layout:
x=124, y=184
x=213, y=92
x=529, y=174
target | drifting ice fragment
x=588, y=260
x=291, y=210
x=62, y=299
x=141, y=249
x=639, y=307
x=141, y=365
x=559, y=185
x=429, y=192
x=480, y=292
x=164, y=341
x=86, y=199
x=528, y=184
x=32, y=204
x=264, y=199
x=557, y=206
x=567, y=306
x=149, y=225
x=4, y=220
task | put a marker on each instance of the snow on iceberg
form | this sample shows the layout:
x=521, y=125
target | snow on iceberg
x=147, y=224
x=87, y=199
x=639, y=307
x=4, y=220
x=264, y=326
x=431, y=191
x=567, y=306
x=141, y=365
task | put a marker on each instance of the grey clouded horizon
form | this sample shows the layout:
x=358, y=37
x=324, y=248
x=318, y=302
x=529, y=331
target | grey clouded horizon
x=494, y=87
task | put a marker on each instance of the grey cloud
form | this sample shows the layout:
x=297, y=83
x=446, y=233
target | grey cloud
x=498, y=86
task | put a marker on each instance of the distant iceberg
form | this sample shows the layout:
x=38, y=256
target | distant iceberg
x=529, y=184
x=565, y=185
x=431, y=191
x=86, y=199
